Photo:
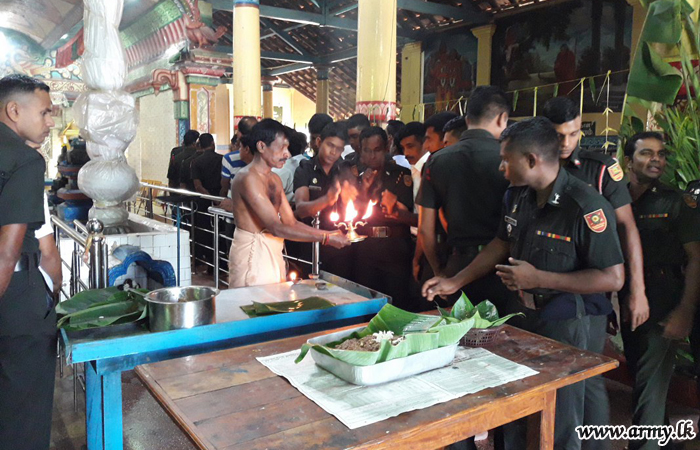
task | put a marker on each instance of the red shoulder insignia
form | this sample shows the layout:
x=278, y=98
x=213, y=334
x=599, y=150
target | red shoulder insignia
x=596, y=221
x=616, y=172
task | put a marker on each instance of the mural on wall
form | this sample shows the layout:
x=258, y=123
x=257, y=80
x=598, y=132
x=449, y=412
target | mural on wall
x=560, y=45
x=449, y=71
x=19, y=55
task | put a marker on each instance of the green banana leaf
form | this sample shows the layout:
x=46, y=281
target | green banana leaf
x=485, y=314
x=99, y=308
x=421, y=333
x=307, y=304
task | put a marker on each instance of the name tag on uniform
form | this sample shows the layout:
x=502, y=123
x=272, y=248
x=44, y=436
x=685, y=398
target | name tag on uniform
x=511, y=221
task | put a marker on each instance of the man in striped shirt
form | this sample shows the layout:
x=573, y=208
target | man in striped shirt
x=239, y=156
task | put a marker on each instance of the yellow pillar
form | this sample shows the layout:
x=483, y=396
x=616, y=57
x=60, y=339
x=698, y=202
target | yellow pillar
x=484, y=34
x=412, y=82
x=639, y=14
x=267, y=89
x=376, y=59
x=246, y=59
x=322, y=88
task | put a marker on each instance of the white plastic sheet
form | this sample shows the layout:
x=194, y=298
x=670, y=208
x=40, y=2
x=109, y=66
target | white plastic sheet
x=104, y=65
x=108, y=121
x=108, y=182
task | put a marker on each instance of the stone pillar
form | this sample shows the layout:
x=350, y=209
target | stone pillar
x=484, y=34
x=323, y=88
x=376, y=60
x=246, y=59
x=268, y=84
x=412, y=82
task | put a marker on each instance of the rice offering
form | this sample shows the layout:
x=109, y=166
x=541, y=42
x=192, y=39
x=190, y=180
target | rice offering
x=370, y=343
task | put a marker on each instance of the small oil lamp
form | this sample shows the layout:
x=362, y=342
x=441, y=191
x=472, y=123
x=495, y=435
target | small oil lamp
x=350, y=224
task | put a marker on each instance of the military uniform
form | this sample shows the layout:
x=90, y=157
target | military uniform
x=666, y=219
x=27, y=317
x=383, y=260
x=464, y=180
x=310, y=174
x=694, y=190
x=574, y=230
x=604, y=174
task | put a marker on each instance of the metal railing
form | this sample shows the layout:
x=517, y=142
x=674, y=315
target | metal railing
x=186, y=217
x=85, y=240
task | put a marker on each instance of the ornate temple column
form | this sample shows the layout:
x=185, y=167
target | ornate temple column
x=376, y=59
x=246, y=59
x=268, y=84
x=483, y=63
x=322, y=88
x=412, y=82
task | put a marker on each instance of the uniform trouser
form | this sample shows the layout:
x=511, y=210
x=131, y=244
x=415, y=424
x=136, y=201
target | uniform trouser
x=27, y=363
x=596, y=410
x=339, y=262
x=650, y=357
x=384, y=264
x=570, y=399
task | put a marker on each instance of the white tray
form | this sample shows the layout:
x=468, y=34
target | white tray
x=394, y=369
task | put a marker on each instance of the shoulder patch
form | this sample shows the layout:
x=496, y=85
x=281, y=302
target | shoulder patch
x=690, y=200
x=407, y=180
x=596, y=221
x=616, y=172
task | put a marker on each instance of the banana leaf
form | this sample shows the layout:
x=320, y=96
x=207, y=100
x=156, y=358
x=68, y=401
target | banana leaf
x=307, y=304
x=485, y=314
x=99, y=308
x=420, y=332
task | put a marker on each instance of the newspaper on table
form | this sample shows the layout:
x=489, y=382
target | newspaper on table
x=472, y=370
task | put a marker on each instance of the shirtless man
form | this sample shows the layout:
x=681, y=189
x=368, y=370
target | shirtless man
x=263, y=215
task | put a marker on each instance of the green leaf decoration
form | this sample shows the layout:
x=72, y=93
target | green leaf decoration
x=307, y=304
x=556, y=90
x=663, y=23
x=516, y=94
x=591, y=84
x=485, y=314
x=99, y=308
x=421, y=333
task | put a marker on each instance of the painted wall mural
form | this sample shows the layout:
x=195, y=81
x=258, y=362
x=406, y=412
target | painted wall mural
x=561, y=44
x=449, y=70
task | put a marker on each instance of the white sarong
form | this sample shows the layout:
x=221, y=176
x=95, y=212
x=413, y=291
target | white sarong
x=255, y=259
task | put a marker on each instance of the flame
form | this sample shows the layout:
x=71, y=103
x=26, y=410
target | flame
x=370, y=208
x=350, y=212
x=292, y=276
x=335, y=216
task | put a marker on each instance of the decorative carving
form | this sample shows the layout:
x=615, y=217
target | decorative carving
x=198, y=33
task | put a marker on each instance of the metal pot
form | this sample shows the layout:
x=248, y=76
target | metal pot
x=181, y=307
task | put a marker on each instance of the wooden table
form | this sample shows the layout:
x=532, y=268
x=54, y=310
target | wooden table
x=228, y=400
x=109, y=351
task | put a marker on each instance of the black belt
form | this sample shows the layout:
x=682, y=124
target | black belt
x=386, y=232
x=27, y=261
x=467, y=249
x=663, y=271
x=535, y=301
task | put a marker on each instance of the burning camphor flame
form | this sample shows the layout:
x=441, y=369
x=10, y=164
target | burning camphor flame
x=370, y=208
x=335, y=216
x=350, y=212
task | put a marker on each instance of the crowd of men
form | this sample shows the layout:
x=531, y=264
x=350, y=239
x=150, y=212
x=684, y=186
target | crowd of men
x=513, y=212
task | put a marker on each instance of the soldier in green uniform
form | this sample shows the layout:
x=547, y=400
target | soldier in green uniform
x=669, y=225
x=27, y=316
x=605, y=175
x=317, y=189
x=556, y=241
x=383, y=260
x=463, y=180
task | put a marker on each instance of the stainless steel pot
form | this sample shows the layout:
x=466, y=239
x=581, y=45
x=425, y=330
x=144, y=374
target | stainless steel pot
x=181, y=307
